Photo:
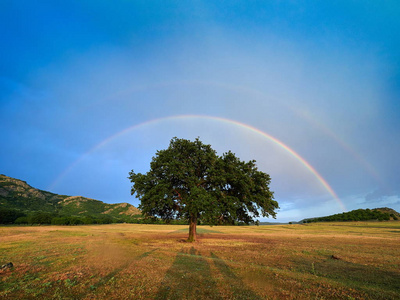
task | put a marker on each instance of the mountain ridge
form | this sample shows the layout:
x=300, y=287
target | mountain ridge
x=16, y=194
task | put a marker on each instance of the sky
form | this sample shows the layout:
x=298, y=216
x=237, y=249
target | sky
x=90, y=90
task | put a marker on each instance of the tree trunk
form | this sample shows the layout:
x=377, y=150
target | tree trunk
x=192, y=229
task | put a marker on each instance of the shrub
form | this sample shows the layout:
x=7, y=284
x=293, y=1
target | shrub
x=21, y=220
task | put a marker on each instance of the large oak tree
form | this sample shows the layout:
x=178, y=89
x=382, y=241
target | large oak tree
x=188, y=180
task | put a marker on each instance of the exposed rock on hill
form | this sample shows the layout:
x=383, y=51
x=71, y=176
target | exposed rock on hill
x=387, y=210
x=17, y=194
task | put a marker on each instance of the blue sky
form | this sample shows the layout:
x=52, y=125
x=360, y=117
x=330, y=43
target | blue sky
x=323, y=78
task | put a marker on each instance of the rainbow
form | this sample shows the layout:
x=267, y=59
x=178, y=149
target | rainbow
x=293, y=153
x=252, y=92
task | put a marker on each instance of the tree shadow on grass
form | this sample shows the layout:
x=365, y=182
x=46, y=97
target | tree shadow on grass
x=110, y=275
x=188, y=278
x=236, y=285
x=147, y=253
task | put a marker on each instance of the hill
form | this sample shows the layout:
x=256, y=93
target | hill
x=380, y=214
x=19, y=199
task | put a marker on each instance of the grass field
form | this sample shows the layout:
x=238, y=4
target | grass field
x=126, y=261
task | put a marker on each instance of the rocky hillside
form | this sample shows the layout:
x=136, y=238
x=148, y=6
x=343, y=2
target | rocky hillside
x=18, y=195
x=390, y=211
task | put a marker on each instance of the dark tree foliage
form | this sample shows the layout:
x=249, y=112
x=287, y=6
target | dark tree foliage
x=189, y=181
x=40, y=218
x=8, y=216
x=12, y=216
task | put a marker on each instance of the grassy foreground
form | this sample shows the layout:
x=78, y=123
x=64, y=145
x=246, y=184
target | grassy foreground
x=125, y=261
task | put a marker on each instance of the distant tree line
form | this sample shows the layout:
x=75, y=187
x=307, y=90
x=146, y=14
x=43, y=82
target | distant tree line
x=13, y=216
x=356, y=215
x=10, y=216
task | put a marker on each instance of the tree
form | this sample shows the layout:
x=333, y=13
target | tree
x=190, y=181
x=39, y=217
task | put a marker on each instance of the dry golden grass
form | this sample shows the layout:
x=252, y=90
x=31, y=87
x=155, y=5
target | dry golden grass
x=128, y=261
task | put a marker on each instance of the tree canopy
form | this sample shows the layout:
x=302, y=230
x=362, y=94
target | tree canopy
x=188, y=180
